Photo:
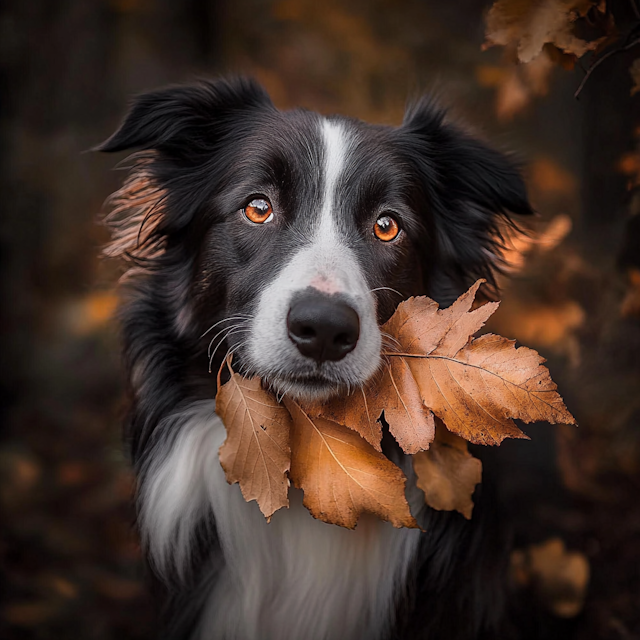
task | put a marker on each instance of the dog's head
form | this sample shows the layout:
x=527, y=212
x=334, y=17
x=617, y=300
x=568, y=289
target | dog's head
x=290, y=237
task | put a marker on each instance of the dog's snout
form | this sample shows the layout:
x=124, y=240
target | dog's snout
x=323, y=327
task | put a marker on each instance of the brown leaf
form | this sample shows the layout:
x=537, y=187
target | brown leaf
x=256, y=453
x=559, y=577
x=359, y=411
x=448, y=473
x=530, y=24
x=476, y=387
x=342, y=475
x=419, y=326
x=396, y=393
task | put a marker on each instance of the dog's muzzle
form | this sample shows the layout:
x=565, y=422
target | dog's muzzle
x=323, y=327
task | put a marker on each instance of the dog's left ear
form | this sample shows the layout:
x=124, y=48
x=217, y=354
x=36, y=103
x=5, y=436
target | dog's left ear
x=470, y=189
x=178, y=120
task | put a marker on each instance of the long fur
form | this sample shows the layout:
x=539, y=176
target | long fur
x=202, y=281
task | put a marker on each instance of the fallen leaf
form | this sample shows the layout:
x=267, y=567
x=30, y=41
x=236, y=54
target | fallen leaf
x=530, y=24
x=256, y=453
x=476, y=387
x=342, y=475
x=448, y=473
x=559, y=577
x=393, y=392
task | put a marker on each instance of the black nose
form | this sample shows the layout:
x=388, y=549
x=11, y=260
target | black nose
x=323, y=327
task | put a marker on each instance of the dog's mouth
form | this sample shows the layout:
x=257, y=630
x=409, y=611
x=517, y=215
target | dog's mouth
x=315, y=387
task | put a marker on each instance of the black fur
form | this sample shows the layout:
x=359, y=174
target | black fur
x=207, y=149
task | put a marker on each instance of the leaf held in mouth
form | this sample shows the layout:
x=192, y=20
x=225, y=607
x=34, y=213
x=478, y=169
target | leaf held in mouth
x=256, y=453
x=476, y=387
x=341, y=475
x=394, y=392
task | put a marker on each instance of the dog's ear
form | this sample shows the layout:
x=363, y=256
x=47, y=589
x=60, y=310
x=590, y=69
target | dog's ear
x=185, y=117
x=176, y=131
x=470, y=189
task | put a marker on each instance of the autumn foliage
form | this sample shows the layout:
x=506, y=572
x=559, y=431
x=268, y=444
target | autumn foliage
x=439, y=388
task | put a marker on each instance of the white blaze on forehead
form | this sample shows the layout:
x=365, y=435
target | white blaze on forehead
x=336, y=147
x=326, y=263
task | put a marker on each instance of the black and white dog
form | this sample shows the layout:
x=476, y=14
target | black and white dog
x=288, y=238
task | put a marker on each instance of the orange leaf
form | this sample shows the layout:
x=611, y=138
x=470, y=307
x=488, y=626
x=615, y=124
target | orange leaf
x=256, y=453
x=476, y=387
x=396, y=393
x=359, y=411
x=448, y=473
x=342, y=475
x=529, y=25
x=419, y=326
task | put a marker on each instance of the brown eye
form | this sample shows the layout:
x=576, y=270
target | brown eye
x=259, y=211
x=386, y=229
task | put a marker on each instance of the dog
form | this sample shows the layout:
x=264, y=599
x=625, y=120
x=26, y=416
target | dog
x=288, y=238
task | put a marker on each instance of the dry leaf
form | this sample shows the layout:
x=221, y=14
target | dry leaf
x=359, y=411
x=559, y=577
x=419, y=325
x=343, y=476
x=476, y=387
x=256, y=452
x=448, y=473
x=530, y=24
x=396, y=393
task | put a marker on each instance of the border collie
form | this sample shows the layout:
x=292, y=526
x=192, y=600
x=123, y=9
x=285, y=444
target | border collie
x=287, y=238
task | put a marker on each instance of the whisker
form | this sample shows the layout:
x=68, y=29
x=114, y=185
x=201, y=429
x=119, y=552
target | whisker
x=388, y=336
x=230, y=332
x=236, y=317
x=385, y=289
x=233, y=331
x=231, y=328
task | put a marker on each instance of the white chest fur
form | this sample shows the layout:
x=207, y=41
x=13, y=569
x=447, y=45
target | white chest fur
x=291, y=579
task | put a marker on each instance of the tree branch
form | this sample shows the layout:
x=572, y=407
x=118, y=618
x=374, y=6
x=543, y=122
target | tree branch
x=625, y=47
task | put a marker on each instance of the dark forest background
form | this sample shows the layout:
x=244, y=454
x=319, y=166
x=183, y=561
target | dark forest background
x=69, y=557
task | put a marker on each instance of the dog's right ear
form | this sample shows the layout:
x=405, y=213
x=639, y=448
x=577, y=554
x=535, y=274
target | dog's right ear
x=184, y=117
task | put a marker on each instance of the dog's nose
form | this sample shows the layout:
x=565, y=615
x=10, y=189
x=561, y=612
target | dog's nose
x=323, y=327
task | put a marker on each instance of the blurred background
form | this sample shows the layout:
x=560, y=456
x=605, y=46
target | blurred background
x=69, y=557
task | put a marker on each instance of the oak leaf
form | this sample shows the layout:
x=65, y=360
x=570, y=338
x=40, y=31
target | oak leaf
x=448, y=473
x=342, y=475
x=256, y=453
x=530, y=24
x=332, y=450
x=394, y=392
x=476, y=386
